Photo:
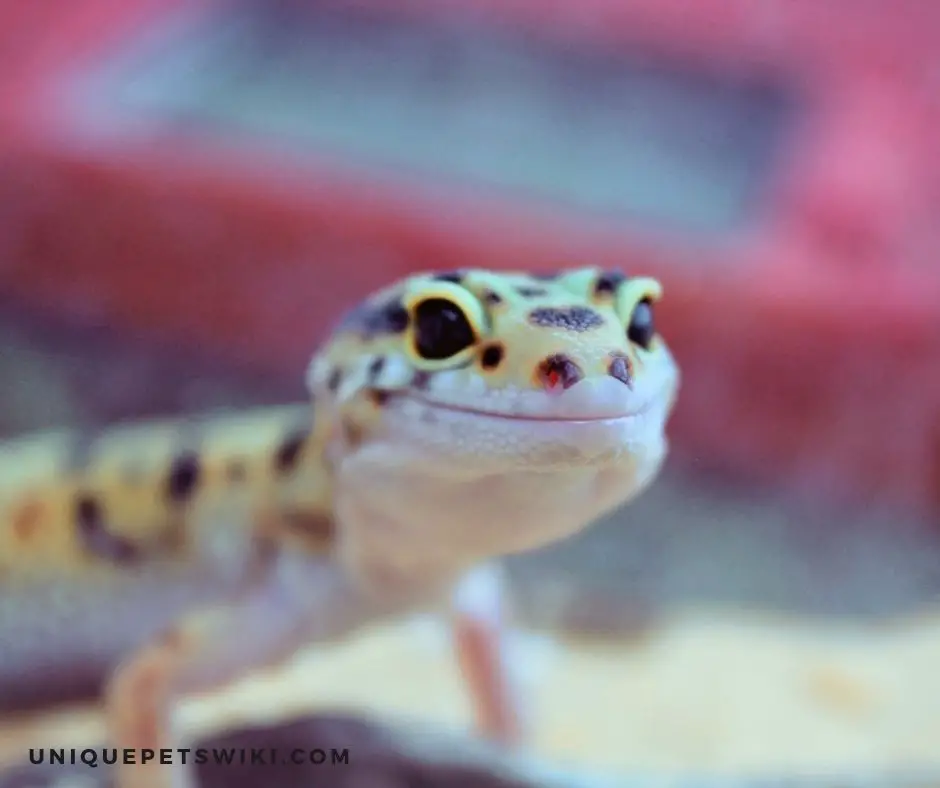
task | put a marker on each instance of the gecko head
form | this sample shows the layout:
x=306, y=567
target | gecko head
x=505, y=370
x=481, y=379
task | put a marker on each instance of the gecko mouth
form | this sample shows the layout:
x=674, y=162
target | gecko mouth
x=543, y=418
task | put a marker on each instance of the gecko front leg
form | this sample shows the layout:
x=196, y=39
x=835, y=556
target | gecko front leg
x=480, y=630
x=386, y=552
x=303, y=600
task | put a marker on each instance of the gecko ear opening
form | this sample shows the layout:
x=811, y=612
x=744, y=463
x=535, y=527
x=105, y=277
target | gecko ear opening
x=446, y=324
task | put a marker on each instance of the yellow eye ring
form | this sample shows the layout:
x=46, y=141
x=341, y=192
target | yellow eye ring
x=446, y=323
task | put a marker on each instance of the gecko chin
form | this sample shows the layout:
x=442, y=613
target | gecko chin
x=498, y=483
x=511, y=472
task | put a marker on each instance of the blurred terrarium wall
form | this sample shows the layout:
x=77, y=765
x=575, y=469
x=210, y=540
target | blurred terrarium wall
x=191, y=194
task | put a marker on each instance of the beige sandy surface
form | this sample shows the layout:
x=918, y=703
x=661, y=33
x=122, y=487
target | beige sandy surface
x=703, y=692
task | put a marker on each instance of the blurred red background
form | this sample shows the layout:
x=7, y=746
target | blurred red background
x=805, y=317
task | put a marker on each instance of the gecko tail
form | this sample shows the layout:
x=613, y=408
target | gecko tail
x=69, y=497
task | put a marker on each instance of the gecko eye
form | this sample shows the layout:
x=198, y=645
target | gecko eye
x=441, y=329
x=642, y=329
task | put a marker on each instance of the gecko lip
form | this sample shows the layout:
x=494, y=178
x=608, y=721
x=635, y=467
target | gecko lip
x=533, y=417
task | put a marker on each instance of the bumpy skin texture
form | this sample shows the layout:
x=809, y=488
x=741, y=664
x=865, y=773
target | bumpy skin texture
x=456, y=418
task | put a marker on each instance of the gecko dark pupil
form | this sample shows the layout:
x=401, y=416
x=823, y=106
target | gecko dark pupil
x=441, y=329
x=642, y=329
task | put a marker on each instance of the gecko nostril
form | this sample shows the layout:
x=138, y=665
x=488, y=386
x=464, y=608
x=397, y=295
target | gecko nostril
x=558, y=372
x=621, y=369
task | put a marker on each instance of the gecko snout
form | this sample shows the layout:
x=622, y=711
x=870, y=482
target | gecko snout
x=559, y=372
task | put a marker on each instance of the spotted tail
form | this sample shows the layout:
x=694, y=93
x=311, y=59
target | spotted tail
x=130, y=493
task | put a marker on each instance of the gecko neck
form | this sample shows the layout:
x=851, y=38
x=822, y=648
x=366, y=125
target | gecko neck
x=412, y=531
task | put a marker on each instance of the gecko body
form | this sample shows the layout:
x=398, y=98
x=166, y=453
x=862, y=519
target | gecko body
x=455, y=418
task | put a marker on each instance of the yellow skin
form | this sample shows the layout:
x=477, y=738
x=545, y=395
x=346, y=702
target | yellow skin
x=456, y=418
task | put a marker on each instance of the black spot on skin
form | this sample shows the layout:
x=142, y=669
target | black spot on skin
x=392, y=318
x=559, y=370
x=421, y=380
x=571, y=318
x=456, y=277
x=491, y=357
x=531, y=292
x=87, y=513
x=375, y=368
x=619, y=368
x=96, y=538
x=608, y=282
x=287, y=454
x=336, y=377
x=492, y=298
x=183, y=477
x=389, y=317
